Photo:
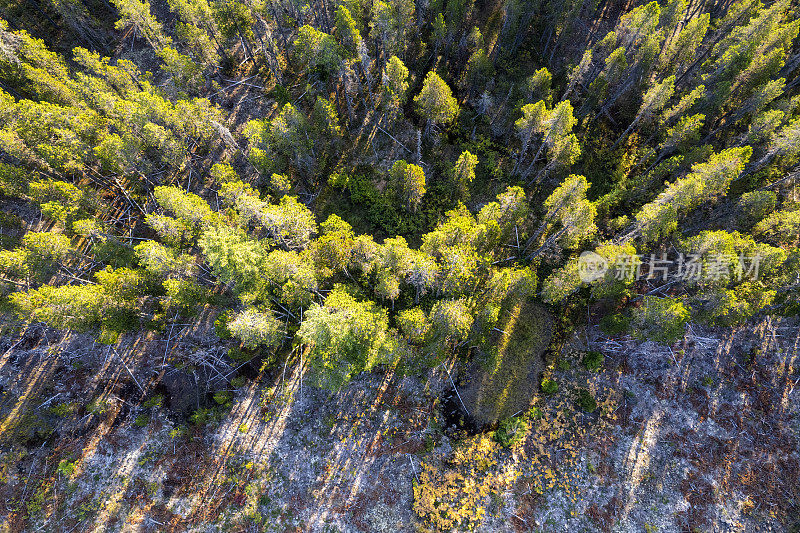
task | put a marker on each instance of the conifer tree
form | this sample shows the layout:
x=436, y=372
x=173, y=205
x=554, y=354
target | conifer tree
x=435, y=102
x=254, y=328
x=464, y=170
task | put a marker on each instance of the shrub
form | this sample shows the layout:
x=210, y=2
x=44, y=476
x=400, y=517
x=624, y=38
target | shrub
x=65, y=468
x=155, y=401
x=223, y=397
x=511, y=431
x=593, y=360
x=221, y=325
x=549, y=386
x=616, y=324
x=585, y=401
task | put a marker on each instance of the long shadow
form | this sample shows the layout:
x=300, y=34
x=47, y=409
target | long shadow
x=510, y=383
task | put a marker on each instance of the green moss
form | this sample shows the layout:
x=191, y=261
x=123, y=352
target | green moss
x=503, y=385
x=63, y=409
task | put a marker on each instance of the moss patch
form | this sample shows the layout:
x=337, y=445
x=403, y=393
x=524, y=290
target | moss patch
x=505, y=384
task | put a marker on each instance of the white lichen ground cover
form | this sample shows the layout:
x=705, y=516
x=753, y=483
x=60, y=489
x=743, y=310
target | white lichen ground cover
x=700, y=436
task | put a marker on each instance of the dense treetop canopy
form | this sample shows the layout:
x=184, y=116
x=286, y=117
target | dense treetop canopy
x=381, y=180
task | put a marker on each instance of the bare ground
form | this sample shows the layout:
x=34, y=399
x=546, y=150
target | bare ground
x=700, y=436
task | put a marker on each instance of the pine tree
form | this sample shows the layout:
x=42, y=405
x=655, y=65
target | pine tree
x=410, y=180
x=435, y=102
x=451, y=320
x=255, y=328
x=660, y=319
x=345, y=336
x=652, y=102
x=464, y=170
x=706, y=182
x=557, y=128
x=346, y=31
x=395, y=83
x=570, y=212
x=137, y=13
x=317, y=49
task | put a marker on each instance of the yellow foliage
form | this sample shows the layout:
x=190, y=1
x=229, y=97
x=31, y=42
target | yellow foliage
x=456, y=495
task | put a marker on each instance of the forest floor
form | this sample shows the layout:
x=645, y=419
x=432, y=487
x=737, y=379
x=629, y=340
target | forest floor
x=698, y=437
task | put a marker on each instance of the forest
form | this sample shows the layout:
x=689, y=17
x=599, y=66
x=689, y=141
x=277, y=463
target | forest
x=398, y=265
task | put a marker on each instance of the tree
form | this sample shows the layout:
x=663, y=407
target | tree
x=538, y=86
x=464, y=170
x=282, y=141
x=531, y=123
x=110, y=302
x=75, y=307
x=435, y=102
x=289, y=222
x=186, y=206
x=781, y=227
x=410, y=181
x=235, y=19
x=578, y=73
x=621, y=270
x=730, y=307
x=136, y=13
x=557, y=128
x=346, y=31
x=197, y=27
x=317, y=49
x=785, y=143
x=233, y=257
x=706, y=182
x=58, y=200
x=162, y=261
x=756, y=205
x=479, y=69
x=185, y=73
x=561, y=283
x=255, y=328
x=451, y=320
x=333, y=248
x=184, y=296
x=684, y=104
x=290, y=278
x=684, y=133
x=660, y=319
x=723, y=256
x=223, y=173
x=172, y=231
x=568, y=208
x=345, y=337
x=652, y=102
x=764, y=125
x=392, y=21
x=395, y=83
x=38, y=257
x=681, y=51
x=414, y=324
